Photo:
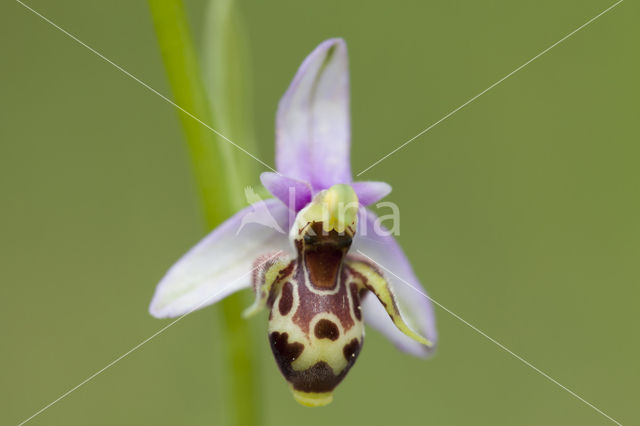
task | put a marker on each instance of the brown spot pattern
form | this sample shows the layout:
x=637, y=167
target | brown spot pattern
x=312, y=304
x=286, y=299
x=284, y=352
x=355, y=299
x=317, y=378
x=351, y=350
x=273, y=292
x=332, y=285
x=326, y=329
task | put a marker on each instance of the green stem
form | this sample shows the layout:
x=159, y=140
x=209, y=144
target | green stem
x=227, y=78
x=217, y=180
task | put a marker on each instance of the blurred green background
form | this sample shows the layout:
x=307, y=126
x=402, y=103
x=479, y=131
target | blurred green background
x=520, y=212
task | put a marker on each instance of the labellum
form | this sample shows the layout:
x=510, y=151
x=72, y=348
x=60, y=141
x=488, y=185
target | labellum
x=316, y=325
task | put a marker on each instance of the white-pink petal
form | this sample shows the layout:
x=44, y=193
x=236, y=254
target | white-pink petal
x=221, y=263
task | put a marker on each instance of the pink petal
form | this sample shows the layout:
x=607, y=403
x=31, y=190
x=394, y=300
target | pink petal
x=294, y=193
x=313, y=124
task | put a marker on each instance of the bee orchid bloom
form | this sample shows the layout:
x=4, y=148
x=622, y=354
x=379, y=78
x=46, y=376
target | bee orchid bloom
x=318, y=288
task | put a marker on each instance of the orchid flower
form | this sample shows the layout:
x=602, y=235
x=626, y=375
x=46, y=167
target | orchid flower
x=307, y=262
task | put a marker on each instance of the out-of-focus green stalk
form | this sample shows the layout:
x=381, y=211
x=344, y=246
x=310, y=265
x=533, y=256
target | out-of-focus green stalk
x=227, y=78
x=219, y=181
x=211, y=155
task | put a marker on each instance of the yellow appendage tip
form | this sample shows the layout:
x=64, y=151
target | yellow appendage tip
x=312, y=399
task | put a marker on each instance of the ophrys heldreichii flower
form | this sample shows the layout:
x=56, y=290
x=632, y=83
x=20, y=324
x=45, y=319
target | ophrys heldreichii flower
x=318, y=290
